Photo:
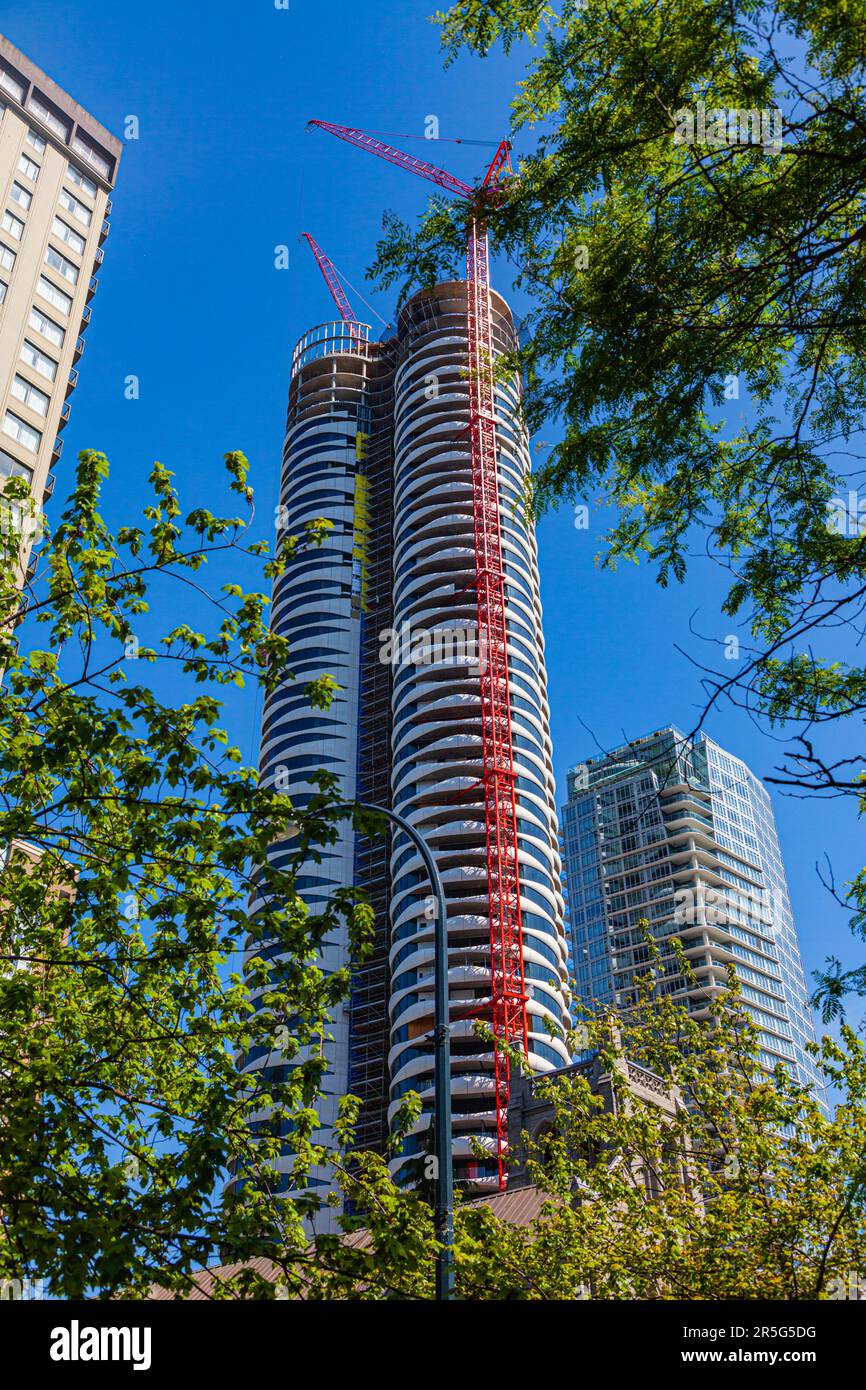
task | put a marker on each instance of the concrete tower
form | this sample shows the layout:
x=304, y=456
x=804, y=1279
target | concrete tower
x=57, y=169
x=437, y=732
x=377, y=442
x=337, y=380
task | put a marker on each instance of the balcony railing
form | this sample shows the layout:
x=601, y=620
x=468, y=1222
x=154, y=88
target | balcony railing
x=330, y=340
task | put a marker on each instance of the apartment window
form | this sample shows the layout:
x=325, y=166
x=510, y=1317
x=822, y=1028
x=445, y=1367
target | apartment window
x=59, y=298
x=38, y=360
x=81, y=181
x=20, y=196
x=48, y=117
x=28, y=167
x=93, y=156
x=12, y=85
x=47, y=327
x=73, y=239
x=61, y=265
x=30, y=395
x=13, y=225
x=11, y=468
x=19, y=430
x=78, y=210
x=7, y=257
x=35, y=141
x=3, y=288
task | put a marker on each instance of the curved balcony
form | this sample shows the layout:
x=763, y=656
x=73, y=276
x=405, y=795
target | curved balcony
x=330, y=340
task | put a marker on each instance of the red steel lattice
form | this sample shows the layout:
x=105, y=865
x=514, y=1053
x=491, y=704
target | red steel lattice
x=508, y=993
x=332, y=280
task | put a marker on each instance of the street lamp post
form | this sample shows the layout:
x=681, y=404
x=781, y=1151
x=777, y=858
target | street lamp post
x=444, y=1216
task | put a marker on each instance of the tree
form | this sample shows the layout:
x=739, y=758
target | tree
x=689, y=218
x=122, y=1110
x=133, y=837
x=758, y=1194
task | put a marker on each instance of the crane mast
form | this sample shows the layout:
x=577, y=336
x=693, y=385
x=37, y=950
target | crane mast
x=508, y=992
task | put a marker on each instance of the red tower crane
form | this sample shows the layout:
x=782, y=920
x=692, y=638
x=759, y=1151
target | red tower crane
x=332, y=280
x=508, y=993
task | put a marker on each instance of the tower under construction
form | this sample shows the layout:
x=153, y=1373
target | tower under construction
x=437, y=677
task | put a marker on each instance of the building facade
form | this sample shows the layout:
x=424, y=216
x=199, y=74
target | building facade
x=681, y=833
x=329, y=468
x=533, y=1115
x=377, y=442
x=57, y=170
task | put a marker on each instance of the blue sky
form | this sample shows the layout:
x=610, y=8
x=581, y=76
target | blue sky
x=191, y=303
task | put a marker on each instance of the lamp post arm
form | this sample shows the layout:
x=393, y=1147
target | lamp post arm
x=444, y=1215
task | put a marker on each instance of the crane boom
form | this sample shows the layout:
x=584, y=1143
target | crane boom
x=332, y=280
x=507, y=988
x=398, y=157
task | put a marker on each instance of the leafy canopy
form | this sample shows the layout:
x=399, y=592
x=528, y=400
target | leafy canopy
x=133, y=837
x=756, y=1192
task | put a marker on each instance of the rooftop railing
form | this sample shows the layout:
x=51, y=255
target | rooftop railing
x=330, y=340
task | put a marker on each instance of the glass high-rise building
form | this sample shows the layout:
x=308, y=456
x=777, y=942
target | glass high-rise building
x=681, y=833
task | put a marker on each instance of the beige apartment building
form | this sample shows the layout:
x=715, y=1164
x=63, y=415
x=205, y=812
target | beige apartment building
x=57, y=170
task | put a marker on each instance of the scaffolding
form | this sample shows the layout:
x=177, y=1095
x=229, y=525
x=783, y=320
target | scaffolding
x=373, y=602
